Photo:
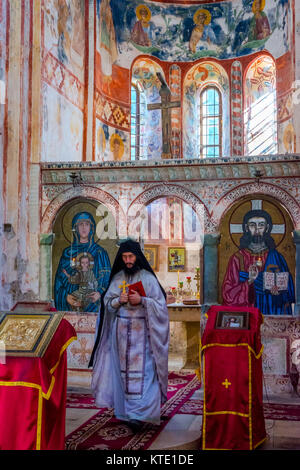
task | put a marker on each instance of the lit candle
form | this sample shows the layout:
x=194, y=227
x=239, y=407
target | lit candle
x=178, y=277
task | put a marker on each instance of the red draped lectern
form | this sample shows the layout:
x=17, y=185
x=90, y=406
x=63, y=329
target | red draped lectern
x=231, y=348
x=33, y=396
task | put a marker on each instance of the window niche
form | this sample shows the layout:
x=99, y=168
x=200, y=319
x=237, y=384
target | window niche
x=146, y=135
x=206, y=102
x=260, y=108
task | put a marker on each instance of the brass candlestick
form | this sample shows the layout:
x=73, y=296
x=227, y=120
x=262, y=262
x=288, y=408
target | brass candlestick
x=197, y=279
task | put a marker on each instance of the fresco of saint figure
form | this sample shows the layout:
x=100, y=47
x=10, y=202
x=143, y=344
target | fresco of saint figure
x=258, y=275
x=107, y=39
x=141, y=33
x=259, y=26
x=202, y=34
x=64, y=26
x=84, y=269
x=116, y=147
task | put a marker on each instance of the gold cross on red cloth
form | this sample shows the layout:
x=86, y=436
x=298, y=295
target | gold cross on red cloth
x=226, y=383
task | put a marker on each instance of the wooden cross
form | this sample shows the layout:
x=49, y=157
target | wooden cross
x=123, y=286
x=226, y=383
x=166, y=105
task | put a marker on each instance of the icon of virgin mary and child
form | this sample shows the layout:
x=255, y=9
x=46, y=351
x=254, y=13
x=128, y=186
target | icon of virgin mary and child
x=84, y=269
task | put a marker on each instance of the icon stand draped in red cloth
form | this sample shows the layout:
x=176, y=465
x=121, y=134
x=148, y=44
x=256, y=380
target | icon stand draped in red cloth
x=233, y=416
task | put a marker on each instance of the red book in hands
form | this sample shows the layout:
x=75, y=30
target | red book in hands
x=138, y=287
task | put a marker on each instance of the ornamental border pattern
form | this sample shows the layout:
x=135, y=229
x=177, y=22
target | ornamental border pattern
x=72, y=193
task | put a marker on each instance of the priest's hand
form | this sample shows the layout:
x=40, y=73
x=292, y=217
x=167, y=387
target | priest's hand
x=94, y=296
x=134, y=298
x=123, y=298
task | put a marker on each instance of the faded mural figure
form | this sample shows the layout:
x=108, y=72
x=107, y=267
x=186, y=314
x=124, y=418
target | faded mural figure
x=107, y=40
x=259, y=26
x=64, y=27
x=78, y=27
x=84, y=269
x=141, y=32
x=202, y=34
x=117, y=147
x=258, y=275
x=101, y=144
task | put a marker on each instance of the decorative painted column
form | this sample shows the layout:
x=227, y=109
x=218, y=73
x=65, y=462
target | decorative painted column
x=296, y=236
x=210, y=268
x=46, y=242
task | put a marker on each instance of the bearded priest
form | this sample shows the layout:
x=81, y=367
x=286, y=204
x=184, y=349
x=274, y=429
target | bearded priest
x=130, y=356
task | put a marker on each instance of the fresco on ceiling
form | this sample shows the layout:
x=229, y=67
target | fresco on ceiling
x=175, y=32
x=197, y=78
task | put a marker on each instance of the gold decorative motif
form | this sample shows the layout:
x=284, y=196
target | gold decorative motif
x=26, y=334
x=123, y=286
x=226, y=383
x=21, y=334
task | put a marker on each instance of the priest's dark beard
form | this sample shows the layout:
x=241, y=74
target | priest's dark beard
x=135, y=268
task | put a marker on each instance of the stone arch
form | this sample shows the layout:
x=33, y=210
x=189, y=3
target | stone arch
x=280, y=195
x=172, y=190
x=89, y=192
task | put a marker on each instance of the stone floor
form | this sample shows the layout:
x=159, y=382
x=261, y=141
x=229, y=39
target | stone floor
x=183, y=431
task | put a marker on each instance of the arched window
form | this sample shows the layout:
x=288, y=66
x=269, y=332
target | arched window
x=210, y=122
x=138, y=112
x=260, y=107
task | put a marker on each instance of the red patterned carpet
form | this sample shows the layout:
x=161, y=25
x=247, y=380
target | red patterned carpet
x=105, y=432
x=271, y=410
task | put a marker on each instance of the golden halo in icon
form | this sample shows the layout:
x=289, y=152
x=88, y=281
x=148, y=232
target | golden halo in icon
x=201, y=12
x=144, y=8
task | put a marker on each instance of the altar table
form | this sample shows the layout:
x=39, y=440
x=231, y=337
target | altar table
x=33, y=396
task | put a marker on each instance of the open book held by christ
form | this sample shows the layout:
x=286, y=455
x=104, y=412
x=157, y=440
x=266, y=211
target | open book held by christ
x=138, y=287
x=279, y=280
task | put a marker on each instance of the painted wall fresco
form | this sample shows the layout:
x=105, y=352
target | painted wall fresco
x=185, y=33
x=63, y=77
x=111, y=143
x=3, y=78
x=260, y=112
x=64, y=33
x=197, y=78
x=175, y=32
x=82, y=256
x=255, y=263
x=3, y=109
x=62, y=128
